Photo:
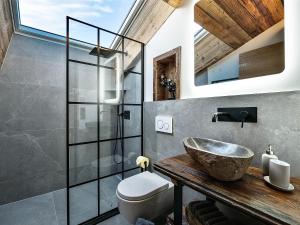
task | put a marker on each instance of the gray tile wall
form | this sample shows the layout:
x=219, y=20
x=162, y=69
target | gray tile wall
x=278, y=124
x=32, y=120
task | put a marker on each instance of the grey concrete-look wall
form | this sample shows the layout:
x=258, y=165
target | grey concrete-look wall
x=278, y=124
x=6, y=28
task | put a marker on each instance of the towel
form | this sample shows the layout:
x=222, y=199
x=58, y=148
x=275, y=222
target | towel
x=141, y=221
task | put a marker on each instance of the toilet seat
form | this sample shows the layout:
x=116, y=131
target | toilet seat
x=141, y=186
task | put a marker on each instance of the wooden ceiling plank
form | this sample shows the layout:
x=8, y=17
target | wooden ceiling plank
x=224, y=19
x=275, y=9
x=208, y=51
x=148, y=22
x=211, y=25
x=174, y=3
x=241, y=15
x=259, y=12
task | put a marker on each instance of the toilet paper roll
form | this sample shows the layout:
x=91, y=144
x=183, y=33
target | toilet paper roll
x=142, y=161
x=279, y=172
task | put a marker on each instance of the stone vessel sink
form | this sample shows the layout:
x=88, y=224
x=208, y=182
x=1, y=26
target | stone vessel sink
x=221, y=160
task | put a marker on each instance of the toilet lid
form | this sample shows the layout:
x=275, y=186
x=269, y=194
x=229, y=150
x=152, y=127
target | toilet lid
x=141, y=186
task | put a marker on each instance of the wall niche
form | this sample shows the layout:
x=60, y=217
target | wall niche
x=166, y=72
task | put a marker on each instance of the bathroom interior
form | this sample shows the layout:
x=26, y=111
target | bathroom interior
x=165, y=112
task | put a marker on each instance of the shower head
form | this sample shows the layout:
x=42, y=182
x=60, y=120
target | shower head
x=105, y=52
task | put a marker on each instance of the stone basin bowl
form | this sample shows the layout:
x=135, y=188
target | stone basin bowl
x=221, y=160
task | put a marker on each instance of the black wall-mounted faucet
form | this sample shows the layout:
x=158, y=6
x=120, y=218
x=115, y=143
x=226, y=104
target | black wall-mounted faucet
x=239, y=114
x=217, y=114
x=244, y=115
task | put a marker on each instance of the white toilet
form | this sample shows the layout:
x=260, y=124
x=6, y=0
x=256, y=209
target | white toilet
x=145, y=195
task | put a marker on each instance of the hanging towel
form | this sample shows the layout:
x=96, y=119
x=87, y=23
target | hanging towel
x=141, y=221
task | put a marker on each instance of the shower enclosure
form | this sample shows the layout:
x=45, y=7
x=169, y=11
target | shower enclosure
x=104, y=101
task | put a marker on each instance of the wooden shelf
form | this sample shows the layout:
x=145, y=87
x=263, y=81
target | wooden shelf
x=250, y=194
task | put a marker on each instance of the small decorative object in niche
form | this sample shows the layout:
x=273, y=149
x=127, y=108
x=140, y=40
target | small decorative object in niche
x=166, y=75
x=237, y=39
x=169, y=84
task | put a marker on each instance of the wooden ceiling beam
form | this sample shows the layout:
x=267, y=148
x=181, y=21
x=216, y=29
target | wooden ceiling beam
x=275, y=10
x=174, y=3
x=253, y=16
x=242, y=16
x=212, y=25
x=221, y=25
x=149, y=20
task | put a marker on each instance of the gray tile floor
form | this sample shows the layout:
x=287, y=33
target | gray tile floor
x=116, y=220
x=50, y=208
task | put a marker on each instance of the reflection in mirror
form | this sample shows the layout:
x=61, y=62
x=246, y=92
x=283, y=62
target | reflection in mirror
x=237, y=39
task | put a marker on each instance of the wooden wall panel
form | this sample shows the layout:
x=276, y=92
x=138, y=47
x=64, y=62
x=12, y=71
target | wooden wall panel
x=6, y=28
x=262, y=61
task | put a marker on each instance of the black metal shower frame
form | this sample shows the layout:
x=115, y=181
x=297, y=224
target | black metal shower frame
x=112, y=212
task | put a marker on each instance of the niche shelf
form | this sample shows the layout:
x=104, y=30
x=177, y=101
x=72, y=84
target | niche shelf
x=167, y=64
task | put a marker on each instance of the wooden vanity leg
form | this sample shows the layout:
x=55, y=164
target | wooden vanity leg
x=177, y=203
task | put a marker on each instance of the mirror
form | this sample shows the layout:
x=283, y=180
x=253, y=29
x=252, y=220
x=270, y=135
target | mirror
x=236, y=39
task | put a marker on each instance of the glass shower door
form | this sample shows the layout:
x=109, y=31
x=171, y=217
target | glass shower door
x=104, y=119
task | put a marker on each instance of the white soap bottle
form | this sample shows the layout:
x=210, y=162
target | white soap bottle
x=265, y=160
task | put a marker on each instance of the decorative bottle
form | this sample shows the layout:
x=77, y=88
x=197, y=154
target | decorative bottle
x=265, y=160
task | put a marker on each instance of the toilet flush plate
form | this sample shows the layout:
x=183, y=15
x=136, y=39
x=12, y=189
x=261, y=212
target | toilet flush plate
x=164, y=124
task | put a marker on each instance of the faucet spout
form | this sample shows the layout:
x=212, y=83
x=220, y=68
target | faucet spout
x=217, y=114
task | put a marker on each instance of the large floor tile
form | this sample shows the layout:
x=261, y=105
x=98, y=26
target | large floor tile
x=116, y=220
x=38, y=210
x=60, y=205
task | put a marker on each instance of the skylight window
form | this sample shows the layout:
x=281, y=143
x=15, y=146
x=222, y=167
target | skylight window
x=197, y=28
x=50, y=15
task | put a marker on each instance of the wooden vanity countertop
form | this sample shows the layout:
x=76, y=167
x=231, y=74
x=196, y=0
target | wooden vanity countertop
x=250, y=194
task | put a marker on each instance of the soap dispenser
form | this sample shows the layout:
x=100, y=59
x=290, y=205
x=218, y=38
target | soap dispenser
x=265, y=159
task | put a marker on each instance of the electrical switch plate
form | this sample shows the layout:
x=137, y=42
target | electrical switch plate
x=164, y=124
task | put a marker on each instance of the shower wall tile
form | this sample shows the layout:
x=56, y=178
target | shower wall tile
x=83, y=163
x=31, y=107
x=278, y=124
x=32, y=119
x=33, y=61
x=132, y=85
x=39, y=183
x=132, y=127
x=109, y=121
x=30, y=151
